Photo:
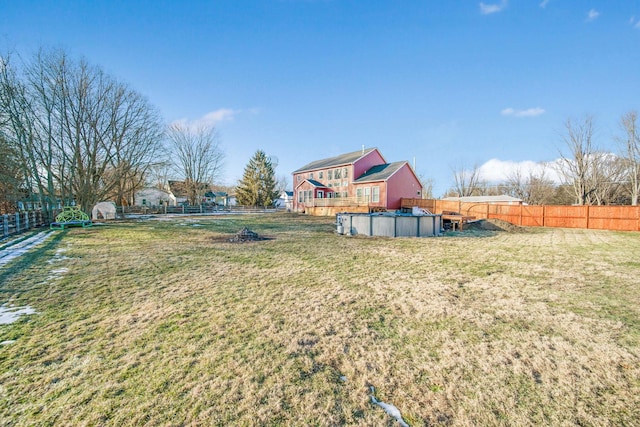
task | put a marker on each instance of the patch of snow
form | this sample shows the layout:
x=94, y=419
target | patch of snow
x=7, y=342
x=9, y=314
x=60, y=271
x=343, y=378
x=12, y=252
x=388, y=408
x=57, y=259
x=58, y=256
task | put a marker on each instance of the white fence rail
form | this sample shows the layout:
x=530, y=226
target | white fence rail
x=20, y=222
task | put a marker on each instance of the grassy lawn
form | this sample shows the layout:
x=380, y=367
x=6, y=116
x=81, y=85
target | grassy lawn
x=165, y=323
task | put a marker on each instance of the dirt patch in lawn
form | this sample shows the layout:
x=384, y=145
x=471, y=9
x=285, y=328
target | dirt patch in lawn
x=243, y=236
x=494, y=225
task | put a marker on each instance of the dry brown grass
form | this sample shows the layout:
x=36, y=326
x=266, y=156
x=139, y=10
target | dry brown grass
x=161, y=323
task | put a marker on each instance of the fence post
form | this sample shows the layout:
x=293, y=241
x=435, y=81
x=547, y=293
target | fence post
x=520, y=215
x=5, y=225
x=17, y=222
x=26, y=220
x=588, y=214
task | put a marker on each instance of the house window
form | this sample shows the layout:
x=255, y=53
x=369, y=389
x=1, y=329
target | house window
x=329, y=195
x=337, y=174
x=359, y=194
x=300, y=196
x=320, y=175
x=329, y=175
x=310, y=193
x=298, y=178
x=345, y=173
x=345, y=194
x=345, y=183
x=330, y=185
x=375, y=196
x=337, y=195
x=320, y=194
x=311, y=175
x=367, y=194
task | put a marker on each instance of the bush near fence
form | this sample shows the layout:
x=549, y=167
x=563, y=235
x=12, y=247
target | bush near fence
x=619, y=218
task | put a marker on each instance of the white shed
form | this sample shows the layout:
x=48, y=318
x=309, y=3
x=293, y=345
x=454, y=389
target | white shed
x=151, y=196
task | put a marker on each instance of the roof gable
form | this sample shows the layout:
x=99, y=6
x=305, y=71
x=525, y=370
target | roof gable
x=343, y=159
x=380, y=172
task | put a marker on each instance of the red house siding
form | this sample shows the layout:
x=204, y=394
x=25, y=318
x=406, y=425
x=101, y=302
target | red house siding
x=402, y=184
x=362, y=165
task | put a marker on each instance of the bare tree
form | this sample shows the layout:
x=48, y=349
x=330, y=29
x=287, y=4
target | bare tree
x=577, y=168
x=283, y=183
x=467, y=182
x=607, y=178
x=532, y=187
x=24, y=115
x=630, y=152
x=594, y=175
x=198, y=157
x=82, y=136
x=158, y=174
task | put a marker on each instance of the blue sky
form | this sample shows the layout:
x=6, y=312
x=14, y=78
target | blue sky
x=449, y=83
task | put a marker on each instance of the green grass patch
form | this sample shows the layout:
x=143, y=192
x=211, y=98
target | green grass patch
x=166, y=322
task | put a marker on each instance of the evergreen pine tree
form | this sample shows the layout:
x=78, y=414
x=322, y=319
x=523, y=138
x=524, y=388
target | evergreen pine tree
x=258, y=184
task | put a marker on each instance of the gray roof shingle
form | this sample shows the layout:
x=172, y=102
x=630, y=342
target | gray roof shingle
x=380, y=172
x=315, y=183
x=343, y=159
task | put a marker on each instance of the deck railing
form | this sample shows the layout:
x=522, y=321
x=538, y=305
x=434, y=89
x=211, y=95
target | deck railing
x=337, y=202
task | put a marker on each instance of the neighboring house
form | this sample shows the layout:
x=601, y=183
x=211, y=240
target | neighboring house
x=359, y=178
x=152, y=196
x=285, y=201
x=219, y=198
x=501, y=200
x=179, y=191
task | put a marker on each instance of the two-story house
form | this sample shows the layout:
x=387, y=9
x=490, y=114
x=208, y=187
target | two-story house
x=358, y=179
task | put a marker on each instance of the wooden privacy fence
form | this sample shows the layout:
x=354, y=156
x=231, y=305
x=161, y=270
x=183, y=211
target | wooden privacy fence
x=621, y=218
x=18, y=222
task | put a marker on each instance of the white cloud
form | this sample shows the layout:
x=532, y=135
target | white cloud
x=210, y=119
x=531, y=112
x=544, y=3
x=634, y=23
x=592, y=15
x=221, y=115
x=496, y=170
x=487, y=9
